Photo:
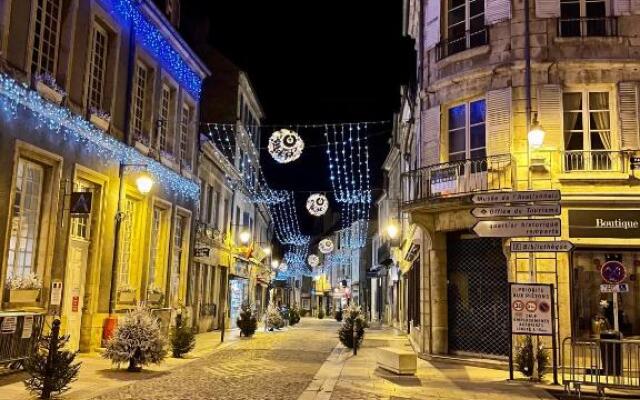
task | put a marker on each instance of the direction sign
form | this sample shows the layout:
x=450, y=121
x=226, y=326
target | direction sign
x=516, y=197
x=548, y=246
x=518, y=228
x=612, y=288
x=516, y=211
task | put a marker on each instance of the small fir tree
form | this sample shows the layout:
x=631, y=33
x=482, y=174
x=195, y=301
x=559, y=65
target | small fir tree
x=524, y=358
x=274, y=318
x=247, y=322
x=183, y=340
x=137, y=340
x=294, y=315
x=46, y=378
x=353, y=320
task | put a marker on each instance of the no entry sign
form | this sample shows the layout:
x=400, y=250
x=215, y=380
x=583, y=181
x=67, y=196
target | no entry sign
x=531, y=309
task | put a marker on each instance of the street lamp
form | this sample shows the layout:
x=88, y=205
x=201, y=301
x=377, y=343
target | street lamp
x=275, y=264
x=267, y=250
x=536, y=135
x=245, y=237
x=392, y=230
x=144, y=183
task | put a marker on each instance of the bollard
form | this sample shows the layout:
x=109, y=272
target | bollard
x=53, y=350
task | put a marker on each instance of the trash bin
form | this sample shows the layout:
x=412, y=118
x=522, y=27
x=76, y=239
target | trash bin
x=611, y=353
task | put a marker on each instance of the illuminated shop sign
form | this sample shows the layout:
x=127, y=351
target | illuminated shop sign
x=604, y=223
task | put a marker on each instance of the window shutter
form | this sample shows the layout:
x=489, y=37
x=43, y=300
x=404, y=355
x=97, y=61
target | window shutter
x=550, y=115
x=432, y=24
x=496, y=11
x=621, y=7
x=547, y=8
x=634, y=6
x=499, y=121
x=430, y=141
x=628, y=104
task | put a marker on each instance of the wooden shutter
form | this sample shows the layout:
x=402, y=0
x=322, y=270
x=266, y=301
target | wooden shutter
x=499, y=121
x=548, y=8
x=628, y=104
x=430, y=141
x=621, y=7
x=432, y=24
x=550, y=115
x=496, y=11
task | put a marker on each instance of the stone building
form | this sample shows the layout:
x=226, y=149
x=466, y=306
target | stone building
x=486, y=78
x=96, y=94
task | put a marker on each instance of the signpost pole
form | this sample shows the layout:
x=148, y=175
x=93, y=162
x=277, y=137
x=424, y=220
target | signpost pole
x=510, y=334
x=554, y=343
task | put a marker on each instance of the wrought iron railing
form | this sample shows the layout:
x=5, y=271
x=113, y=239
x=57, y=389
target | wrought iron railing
x=588, y=26
x=456, y=178
x=455, y=45
x=596, y=160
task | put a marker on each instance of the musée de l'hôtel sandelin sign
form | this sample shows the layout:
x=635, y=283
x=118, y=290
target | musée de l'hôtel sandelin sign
x=604, y=223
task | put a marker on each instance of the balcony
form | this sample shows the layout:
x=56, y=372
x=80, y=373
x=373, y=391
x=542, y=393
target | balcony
x=596, y=161
x=457, y=179
x=588, y=27
x=470, y=40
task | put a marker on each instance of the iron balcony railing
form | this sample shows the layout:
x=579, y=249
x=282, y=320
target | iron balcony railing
x=455, y=45
x=596, y=160
x=588, y=26
x=457, y=178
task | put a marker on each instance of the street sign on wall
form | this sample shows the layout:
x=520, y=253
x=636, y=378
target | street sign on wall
x=516, y=197
x=531, y=309
x=543, y=246
x=516, y=211
x=613, y=288
x=613, y=272
x=518, y=228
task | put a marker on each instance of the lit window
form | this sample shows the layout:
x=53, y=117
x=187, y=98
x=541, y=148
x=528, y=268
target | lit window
x=467, y=131
x=158, y=243
x=98, y=62
x=25, y=219
x=138, y=104
x=178, y=247
x=125, y=253
x=46, y=33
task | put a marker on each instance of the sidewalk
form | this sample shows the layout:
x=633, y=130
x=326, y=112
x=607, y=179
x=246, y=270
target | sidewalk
x=344, y=376
x=97, y=375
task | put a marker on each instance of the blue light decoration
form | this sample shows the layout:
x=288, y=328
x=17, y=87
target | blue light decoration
x=128, y=13
x=286, y=223
x=15, y=96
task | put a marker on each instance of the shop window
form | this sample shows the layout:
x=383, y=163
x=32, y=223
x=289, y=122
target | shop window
x=593, y=310
x=587, y=131
x=178, y=251
x=97, y=67
x=159, y=245
x=585, y=18
x=25, y=219
x=46, y=34
x=128, y=243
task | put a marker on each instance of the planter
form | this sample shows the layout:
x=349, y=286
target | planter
x=141, y=147
x=100, y=122
x=48, y=93
x=127, y=297
x=169, y=162
x=23, y=295
x=153, y=297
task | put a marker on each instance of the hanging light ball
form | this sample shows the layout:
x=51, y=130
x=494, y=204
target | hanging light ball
x=317, y=204
x=325, y=246
x=285, y=146
x=313, y=260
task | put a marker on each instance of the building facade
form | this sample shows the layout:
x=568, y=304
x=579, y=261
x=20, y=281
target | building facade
x=91, y=105
x=486, y=77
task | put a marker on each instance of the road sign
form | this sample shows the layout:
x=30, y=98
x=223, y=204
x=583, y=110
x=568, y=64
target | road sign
x=516, y=197
x=613, y=272
x=518, y=228
x=547, y=246
x=80, y=203
x=516, y=211
x=531, y=309
x=635, y=162
x=613, y=288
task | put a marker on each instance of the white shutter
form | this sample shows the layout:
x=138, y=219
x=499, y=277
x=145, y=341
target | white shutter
x=628, y=104
x=621, y=7
x=499, y=121
x=432, y=24
x=430, y=141
x=496, y=11
x=548, y=8
x=550, y=115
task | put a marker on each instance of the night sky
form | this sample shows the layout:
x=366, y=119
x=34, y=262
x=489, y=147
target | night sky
x=313, y=62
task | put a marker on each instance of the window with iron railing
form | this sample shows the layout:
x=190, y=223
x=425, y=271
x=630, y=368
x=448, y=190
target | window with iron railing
x=465, y=27
x=580, y=18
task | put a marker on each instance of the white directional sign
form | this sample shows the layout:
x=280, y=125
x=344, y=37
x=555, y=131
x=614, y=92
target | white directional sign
x=551, y=246
x=518, y=228
x=516, y=211
x=516, y=197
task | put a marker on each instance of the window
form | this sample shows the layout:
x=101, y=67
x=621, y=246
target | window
x=25, y=219
x=467, y=131
x=185, y=132
x=213, y=206
x=139, y=102
x=178, y=243
x=225, y=215
x=172, y=9
x=81, y=226
x=464, y=26
x=165, y=135
x=46, y=34
x=158, y=246
x=128, y=228
x=97, y=67
x=585, y=18
x=587, y=130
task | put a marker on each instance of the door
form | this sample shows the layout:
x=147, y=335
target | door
x=74, y=289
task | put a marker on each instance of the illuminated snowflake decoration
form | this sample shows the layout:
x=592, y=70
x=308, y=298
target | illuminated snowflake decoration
x=317, y=204
x=325, y=246
x=313, y=260
x=285, y=146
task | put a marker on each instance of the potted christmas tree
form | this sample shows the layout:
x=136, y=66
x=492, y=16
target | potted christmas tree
x=274, y=318
x=294, y=315
x=183, y=339
x=247, y=322
x=352, y=327
x=137, y=340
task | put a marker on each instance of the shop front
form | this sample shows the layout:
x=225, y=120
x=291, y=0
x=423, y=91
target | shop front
x=238, y=289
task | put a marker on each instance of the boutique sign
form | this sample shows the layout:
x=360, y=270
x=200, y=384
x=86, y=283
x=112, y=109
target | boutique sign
x=604, y=223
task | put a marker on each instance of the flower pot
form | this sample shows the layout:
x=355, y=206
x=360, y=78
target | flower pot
x=154, y=297
x=100, y=122
x=141, y=147
x=127, y=297
x=49, y=93
x=23, y=295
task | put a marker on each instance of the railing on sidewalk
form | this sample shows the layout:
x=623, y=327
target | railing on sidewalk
x=456, y=178
x=596, y=160
x=602, y=363
x=19, y=335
